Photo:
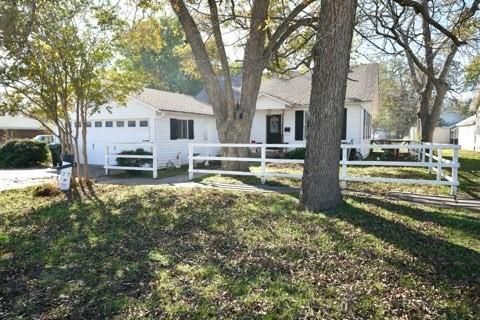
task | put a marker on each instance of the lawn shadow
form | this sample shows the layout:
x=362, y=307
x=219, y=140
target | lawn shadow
x=443, y=262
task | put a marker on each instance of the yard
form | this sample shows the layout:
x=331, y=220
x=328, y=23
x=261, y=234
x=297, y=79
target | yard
x=144, y=252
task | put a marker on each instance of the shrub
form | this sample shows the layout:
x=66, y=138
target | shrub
x=24, y=154
x=298, y=153
x=55, y=152
x=128, y=162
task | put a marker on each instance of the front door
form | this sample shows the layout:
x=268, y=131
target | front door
x=274, y=128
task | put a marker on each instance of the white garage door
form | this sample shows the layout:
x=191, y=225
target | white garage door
x=107, y=132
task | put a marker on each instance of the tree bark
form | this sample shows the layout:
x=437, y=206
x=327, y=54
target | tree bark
x=320, y=184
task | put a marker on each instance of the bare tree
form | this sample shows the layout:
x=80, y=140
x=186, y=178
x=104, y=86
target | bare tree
x=265, y=31
x=320, y=184
x=429, y=34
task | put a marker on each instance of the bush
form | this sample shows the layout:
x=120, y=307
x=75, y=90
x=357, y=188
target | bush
x=298, y=153
x=127, y=162
x=24, y=154
x=55, y=152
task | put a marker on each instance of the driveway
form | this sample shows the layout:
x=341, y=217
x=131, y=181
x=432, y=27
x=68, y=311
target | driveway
x=20, y=178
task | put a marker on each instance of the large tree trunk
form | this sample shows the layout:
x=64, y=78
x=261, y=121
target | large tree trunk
x=320, y=185
x=429, y=111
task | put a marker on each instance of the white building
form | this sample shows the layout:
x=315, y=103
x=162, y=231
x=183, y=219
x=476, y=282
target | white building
x=168, y=120
x=282, y=107
x=465, y=133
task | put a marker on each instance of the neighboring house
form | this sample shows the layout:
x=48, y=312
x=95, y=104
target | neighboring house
x=19, y=127
x=465, y=133
x=443, y=132
x=169, y=120
x=282, y=107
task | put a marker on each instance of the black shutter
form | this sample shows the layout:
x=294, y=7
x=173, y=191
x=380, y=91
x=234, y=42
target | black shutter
x=344, y=129
x=173, y=129
x=191, y=135
x=299, y=125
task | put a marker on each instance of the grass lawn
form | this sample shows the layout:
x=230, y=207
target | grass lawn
x=161, y=173
x=469, y=177
x=143, y=252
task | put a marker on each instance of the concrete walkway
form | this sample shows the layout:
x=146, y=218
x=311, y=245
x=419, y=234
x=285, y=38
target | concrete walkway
x=21, y=178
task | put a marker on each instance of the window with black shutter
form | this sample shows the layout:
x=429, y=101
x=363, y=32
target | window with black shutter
x=191, y=135
x=181, y=129
x=299, y=118
x=173, y=129
x=344, y=128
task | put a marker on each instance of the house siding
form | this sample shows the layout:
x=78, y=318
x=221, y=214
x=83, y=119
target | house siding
x=158, y=132
x=466, y=137
x=167, y=149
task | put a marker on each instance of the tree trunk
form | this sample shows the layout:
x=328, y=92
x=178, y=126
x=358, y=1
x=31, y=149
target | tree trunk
x=86, y=175
x=429, y=112
x=320, y=184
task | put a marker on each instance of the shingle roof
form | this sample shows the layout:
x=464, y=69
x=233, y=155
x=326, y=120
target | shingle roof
x=470, y=121
x=361, y=86
x=171, y=101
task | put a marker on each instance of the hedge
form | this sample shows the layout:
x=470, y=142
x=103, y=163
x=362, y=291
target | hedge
x=129, y=162
x=24, y=154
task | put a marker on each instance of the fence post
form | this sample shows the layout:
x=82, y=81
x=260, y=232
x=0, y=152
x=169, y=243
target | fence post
x=423, y=152
x=190, y=162
x=439, y=165
x=430, y=158
x=455, y=164
x=106, y=159
x=343, y=175
x=154, y=161
x=263, y=156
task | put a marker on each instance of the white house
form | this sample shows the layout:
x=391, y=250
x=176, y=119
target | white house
x=465, y=133
x=282, y=106
x=168, y=120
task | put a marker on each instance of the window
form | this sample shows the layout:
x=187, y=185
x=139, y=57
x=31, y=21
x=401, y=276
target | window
x=132, y=123
x=143, y=123
x=181, y=129
x=120, y=124
x=98, y=124
x=88, y=124
x=109, y=124
x=367, y=124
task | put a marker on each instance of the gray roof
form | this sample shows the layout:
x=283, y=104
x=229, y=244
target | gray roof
x=171, y=101
x=362, y=86
x=470, y=121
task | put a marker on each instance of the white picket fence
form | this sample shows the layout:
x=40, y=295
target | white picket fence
x=421, y=151
x=112, y=152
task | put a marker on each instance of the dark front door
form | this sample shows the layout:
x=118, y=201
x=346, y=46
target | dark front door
x=274, y=128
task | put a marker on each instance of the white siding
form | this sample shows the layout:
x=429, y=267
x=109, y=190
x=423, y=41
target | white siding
x=466, y=137
x=265, y=102
x=441, y=135
x=167, y=149
x=99, y=137
x=259, y=126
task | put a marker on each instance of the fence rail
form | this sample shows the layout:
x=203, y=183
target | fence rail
x=130, y=146
x=423, y=154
